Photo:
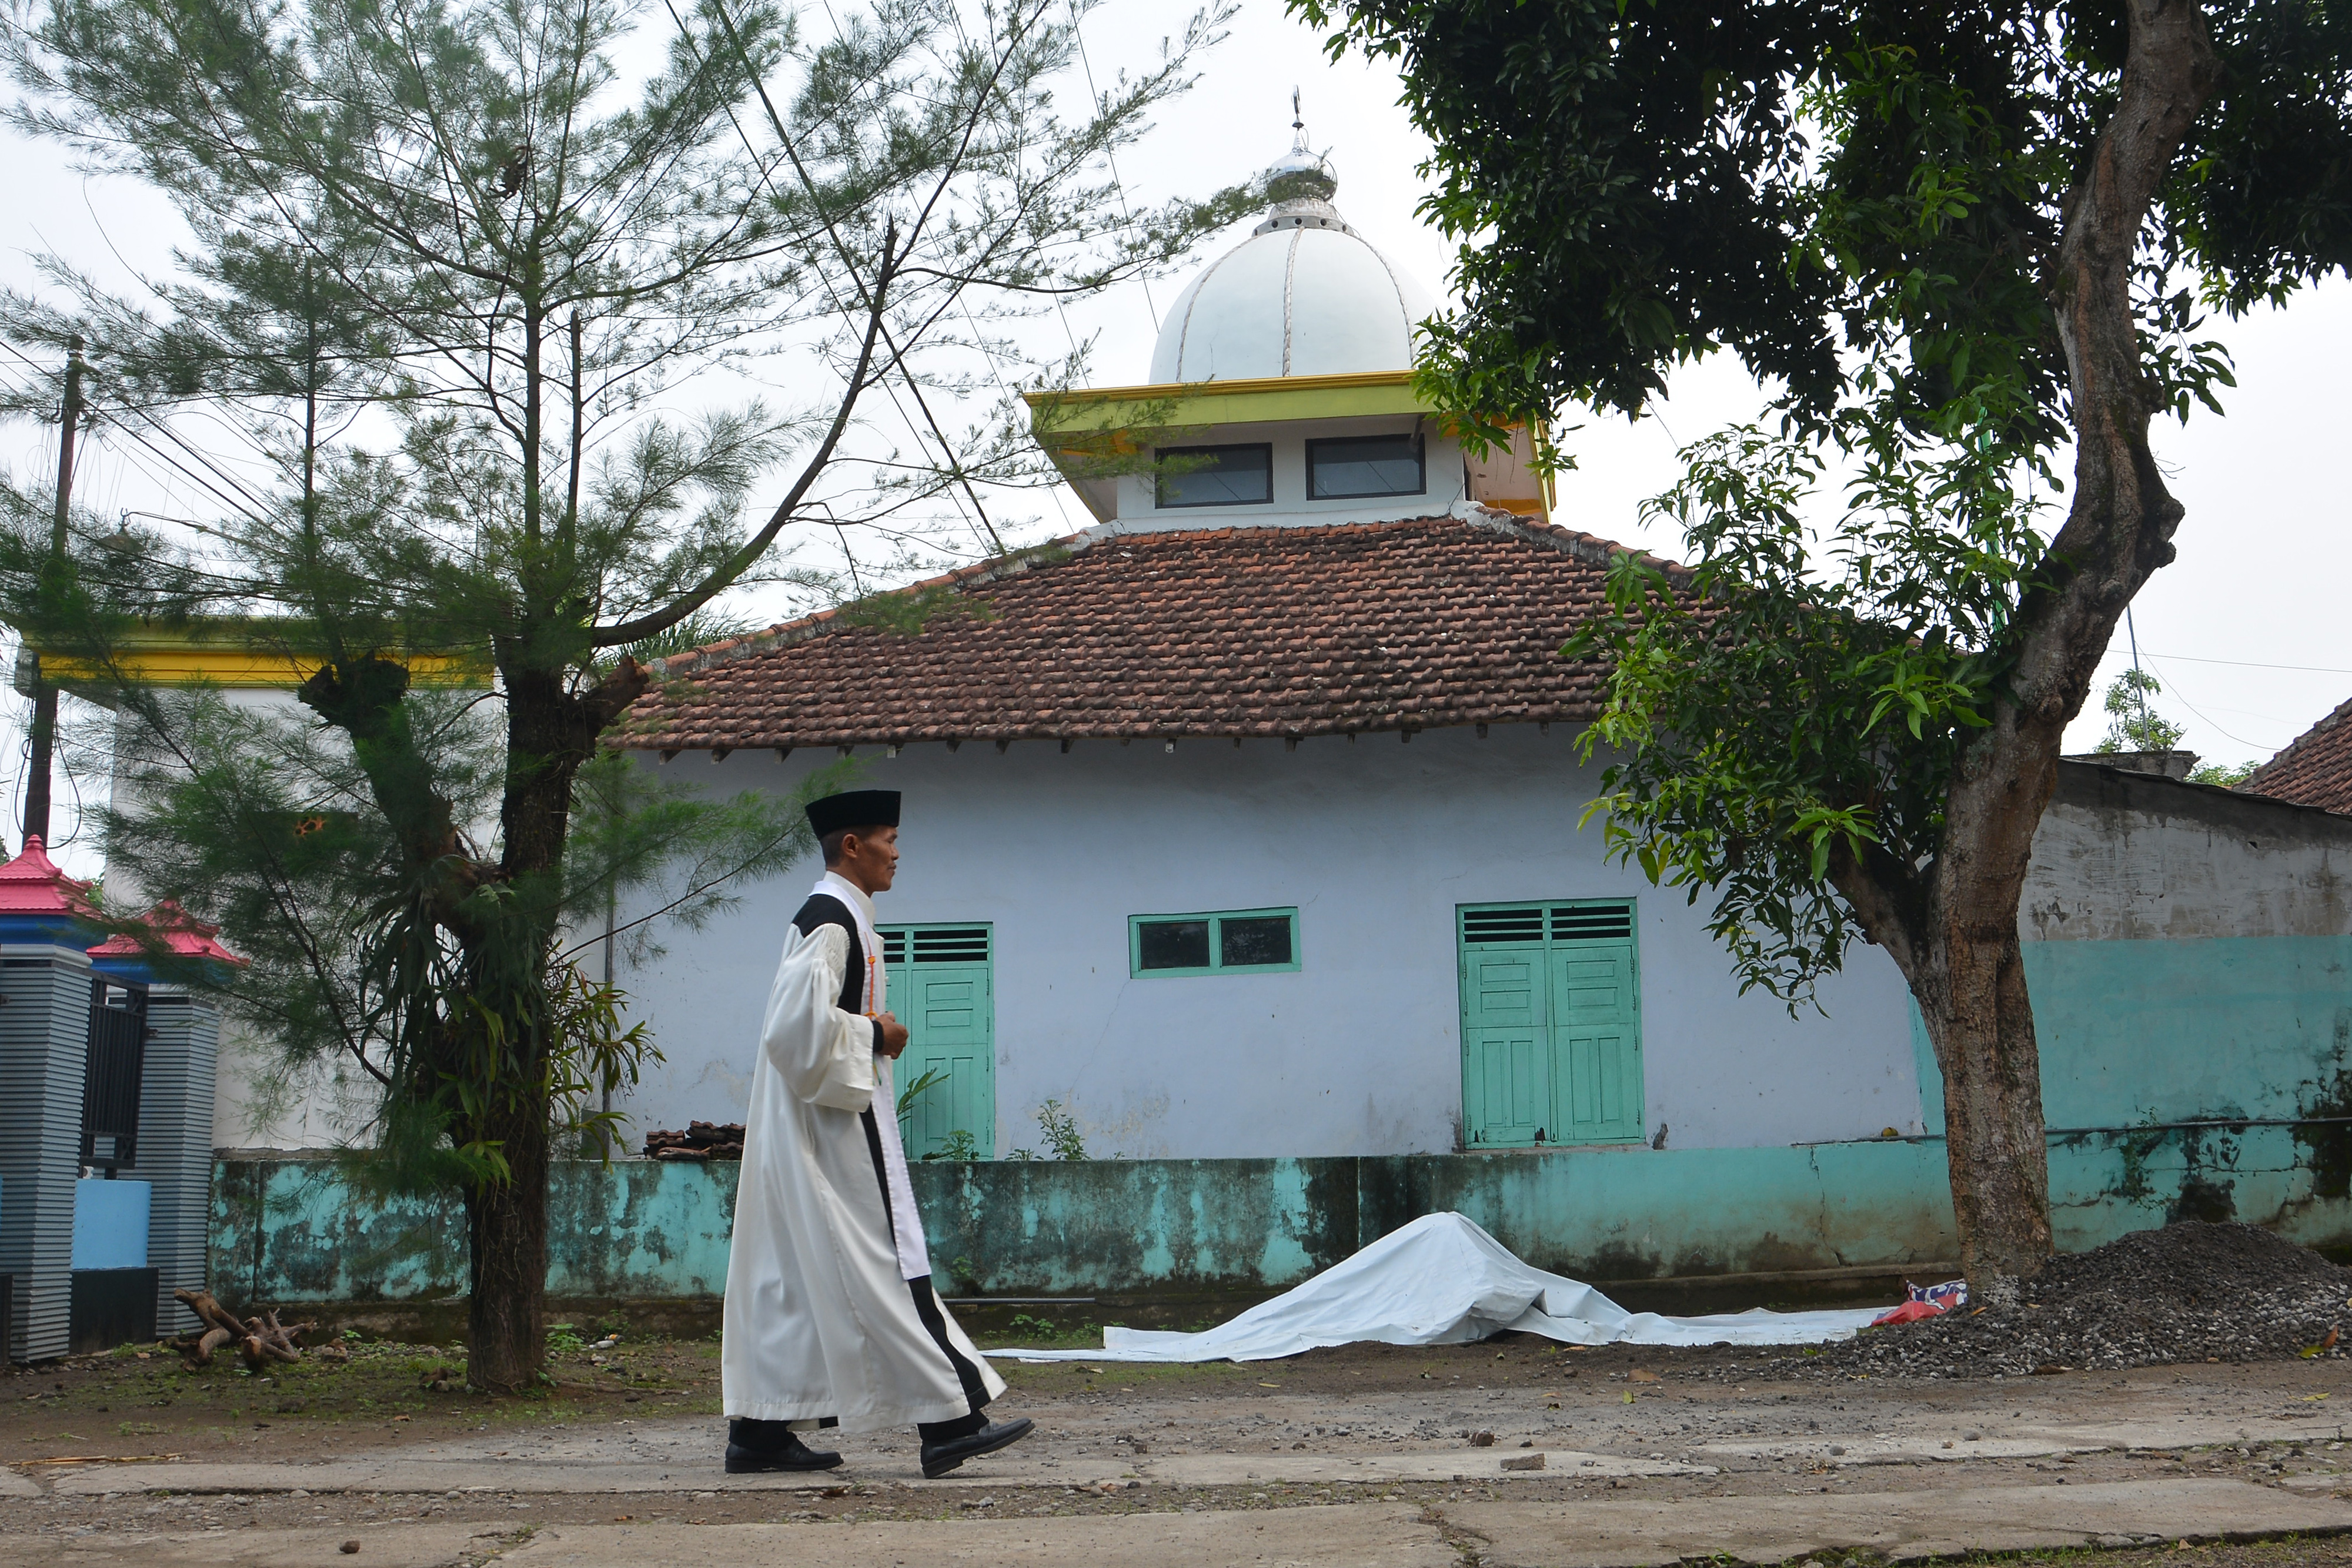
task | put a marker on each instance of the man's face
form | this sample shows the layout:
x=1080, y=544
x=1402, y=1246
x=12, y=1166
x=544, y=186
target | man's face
x=869, y=858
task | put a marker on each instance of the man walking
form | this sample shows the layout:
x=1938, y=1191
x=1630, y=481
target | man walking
x=831, y=1319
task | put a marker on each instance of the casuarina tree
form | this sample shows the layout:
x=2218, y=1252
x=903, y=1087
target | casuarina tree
x=1955, y=242
x=466, y=349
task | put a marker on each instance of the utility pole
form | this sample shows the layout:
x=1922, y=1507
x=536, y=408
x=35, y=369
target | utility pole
x=45, y=696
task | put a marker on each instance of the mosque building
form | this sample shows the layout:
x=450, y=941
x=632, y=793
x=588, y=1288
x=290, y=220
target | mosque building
x=1246, y=822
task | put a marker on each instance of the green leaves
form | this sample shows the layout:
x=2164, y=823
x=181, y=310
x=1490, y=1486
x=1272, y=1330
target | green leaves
x=1789, y=712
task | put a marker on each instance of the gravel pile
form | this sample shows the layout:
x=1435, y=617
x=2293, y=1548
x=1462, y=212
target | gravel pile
x=2191, y=1292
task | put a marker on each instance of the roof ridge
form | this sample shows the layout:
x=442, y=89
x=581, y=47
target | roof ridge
x=1591, y=548
x=1585, y=547
x=786, y=633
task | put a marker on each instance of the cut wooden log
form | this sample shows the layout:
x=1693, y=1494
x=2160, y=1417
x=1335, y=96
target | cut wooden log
x=261, y=1340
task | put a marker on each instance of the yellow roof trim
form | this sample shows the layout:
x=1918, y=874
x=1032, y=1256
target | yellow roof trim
x=162, y=663
x=1187, y=388
x=1262, y=398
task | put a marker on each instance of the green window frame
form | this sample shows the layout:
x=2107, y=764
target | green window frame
x=942, y=985
x=1217, y=943
x=1552, y=1023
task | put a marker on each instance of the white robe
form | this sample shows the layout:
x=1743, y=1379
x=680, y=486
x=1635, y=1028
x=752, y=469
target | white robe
x=819, y=1320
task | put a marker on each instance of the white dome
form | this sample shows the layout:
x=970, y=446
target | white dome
x=1304, y=295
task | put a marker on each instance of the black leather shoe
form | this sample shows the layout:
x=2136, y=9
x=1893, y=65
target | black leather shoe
x=794, y=1454
x=938, y=1458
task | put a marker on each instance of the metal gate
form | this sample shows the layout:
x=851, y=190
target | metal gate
x=109, y=1086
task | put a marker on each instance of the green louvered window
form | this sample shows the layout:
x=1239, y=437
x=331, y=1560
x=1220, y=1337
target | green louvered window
x=1551, y=1024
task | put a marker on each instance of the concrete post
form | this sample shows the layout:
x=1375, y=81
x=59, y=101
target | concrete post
x=44, y=1042
x=175, y=1145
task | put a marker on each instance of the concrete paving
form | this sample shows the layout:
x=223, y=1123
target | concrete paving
x=1911, y=1524
x=400, y=1473
x=1358, y=1535
x=412, y=1545
x=1941, y=1442
x=1638, y=1469
x=664, y=1456
x=1503, y=1534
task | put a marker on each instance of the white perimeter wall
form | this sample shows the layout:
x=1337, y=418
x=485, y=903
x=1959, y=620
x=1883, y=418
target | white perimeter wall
x=1376, y=842
x=326, y=1106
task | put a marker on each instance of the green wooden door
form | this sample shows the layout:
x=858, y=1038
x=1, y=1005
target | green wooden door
x=942, y=987
x=1506, y=1078
x=1551, y=1025
x=1599, y=1043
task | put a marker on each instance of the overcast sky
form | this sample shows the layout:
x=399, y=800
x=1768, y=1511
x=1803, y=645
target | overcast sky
x=2246, y=630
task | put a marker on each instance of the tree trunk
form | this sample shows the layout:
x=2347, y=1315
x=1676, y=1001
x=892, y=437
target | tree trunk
x=551, y=733
x=505, y=1335
x=1952, y=930
x=1980, y=1022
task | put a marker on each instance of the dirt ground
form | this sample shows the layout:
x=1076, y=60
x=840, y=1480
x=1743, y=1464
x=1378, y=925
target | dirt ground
x=2277, y=1420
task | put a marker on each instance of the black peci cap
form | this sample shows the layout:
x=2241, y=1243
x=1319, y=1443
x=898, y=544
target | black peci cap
x=854, y=809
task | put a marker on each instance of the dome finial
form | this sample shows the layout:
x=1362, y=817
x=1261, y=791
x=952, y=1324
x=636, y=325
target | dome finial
x=1299, y=175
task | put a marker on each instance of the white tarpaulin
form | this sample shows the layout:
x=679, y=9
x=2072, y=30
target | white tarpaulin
x=1444, y=1281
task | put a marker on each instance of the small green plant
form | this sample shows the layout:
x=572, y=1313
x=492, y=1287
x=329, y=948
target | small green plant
x=960, y=1145
x=912, y=1091
x=563, y=1340
x=1061, y=1129
x=1022, y=1323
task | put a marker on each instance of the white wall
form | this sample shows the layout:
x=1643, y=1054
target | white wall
x=1376, y=842
x=1443, y=475
x=2123, y=857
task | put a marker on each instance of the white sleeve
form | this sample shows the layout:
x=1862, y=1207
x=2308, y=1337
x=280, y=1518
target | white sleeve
x=825, y=1056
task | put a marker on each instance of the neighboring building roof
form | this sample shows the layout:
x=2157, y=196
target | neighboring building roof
x=1284, y=632
x=176, y=931
x=31, y=884
x=2316, y=768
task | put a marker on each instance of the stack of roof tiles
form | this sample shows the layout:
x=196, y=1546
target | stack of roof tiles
x=2315, y=769
x=1264, y=631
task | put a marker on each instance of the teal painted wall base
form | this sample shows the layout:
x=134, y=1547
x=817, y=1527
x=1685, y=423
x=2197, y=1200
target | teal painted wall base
x=291, y=1231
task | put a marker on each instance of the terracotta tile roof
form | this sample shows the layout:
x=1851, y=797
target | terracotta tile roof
x=1225, y=631
x=2315, y=769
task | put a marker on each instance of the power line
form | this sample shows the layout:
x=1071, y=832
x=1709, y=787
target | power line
x=2253, y=664
x=897, y=355
x=1111, y=157
x=2192, y=707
